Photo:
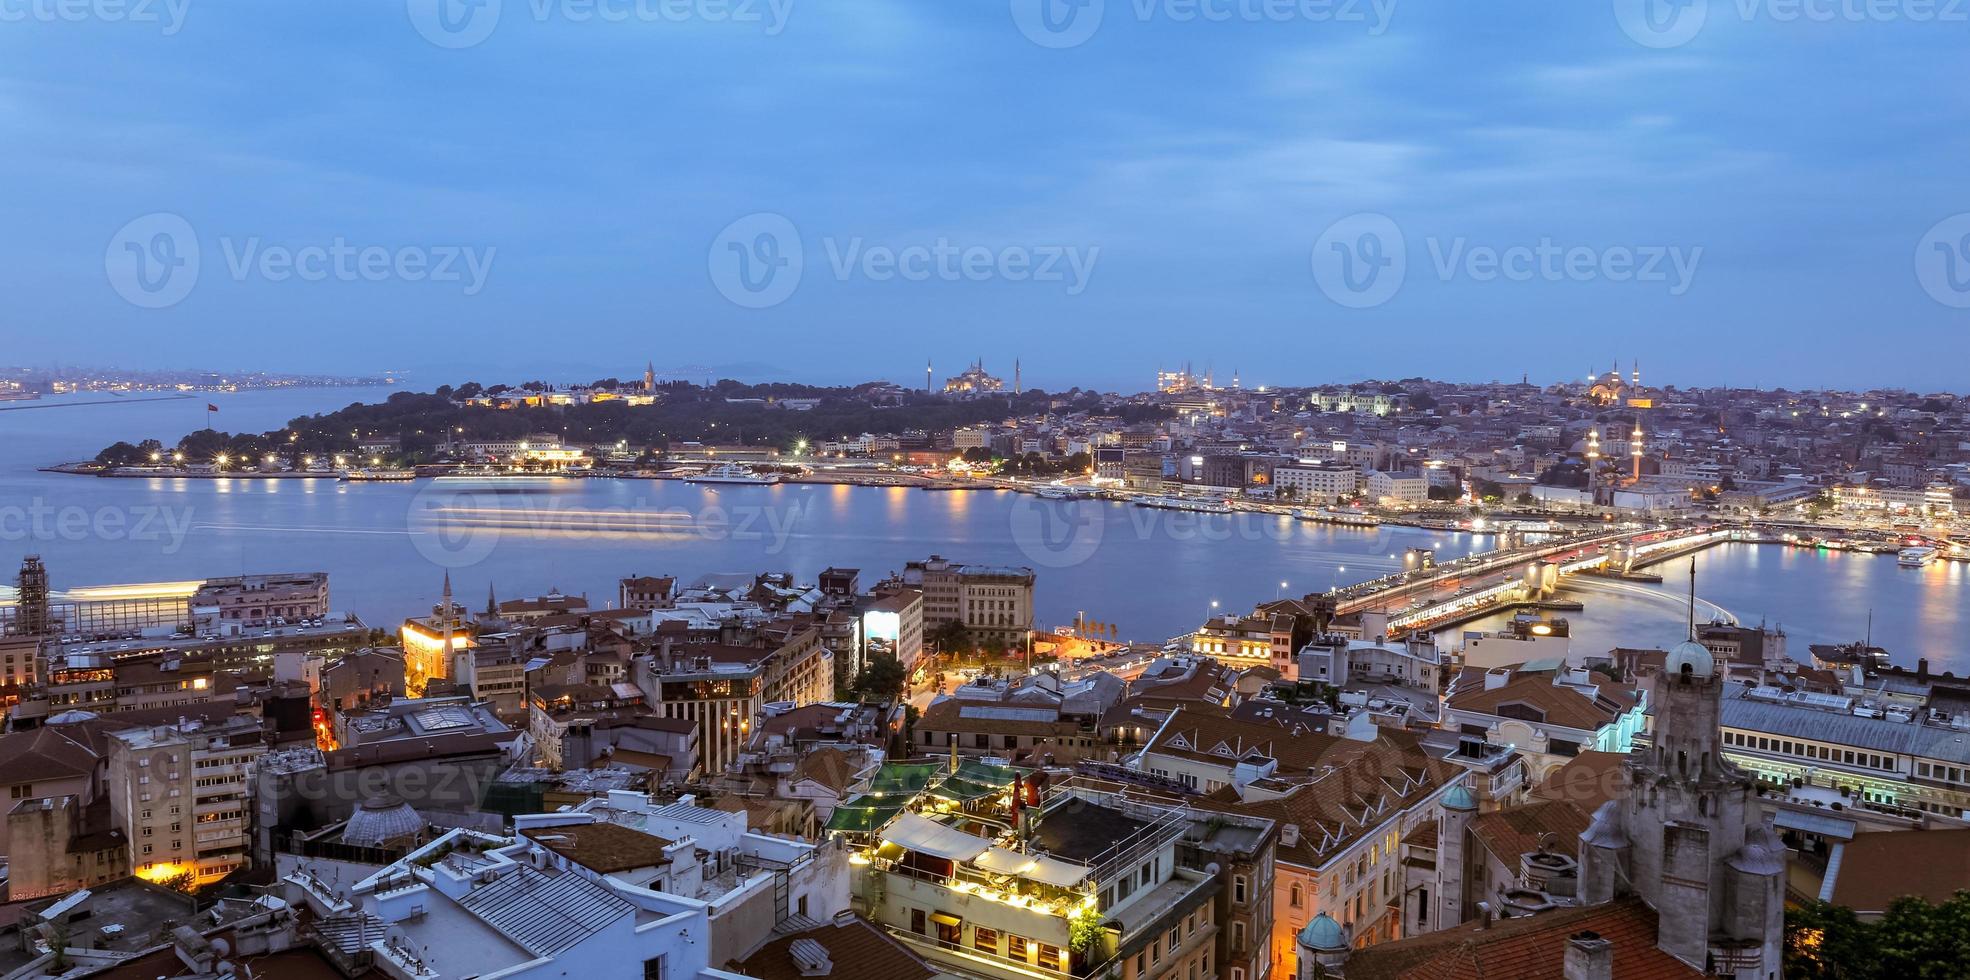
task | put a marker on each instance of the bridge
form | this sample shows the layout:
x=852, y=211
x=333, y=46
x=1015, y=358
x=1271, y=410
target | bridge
x=1497, y=579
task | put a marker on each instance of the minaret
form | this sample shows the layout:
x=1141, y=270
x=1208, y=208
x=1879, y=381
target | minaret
x=926, y=376
x=1636, y=378
x=1593, y=462
x=444, y=616
x=1015, y=376
x=1635, y=448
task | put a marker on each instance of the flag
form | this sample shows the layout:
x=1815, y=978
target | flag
x=211, y=407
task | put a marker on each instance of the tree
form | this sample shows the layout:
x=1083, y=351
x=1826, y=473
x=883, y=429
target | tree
x=1913, y=939
x=951, y=637
x=881, y=679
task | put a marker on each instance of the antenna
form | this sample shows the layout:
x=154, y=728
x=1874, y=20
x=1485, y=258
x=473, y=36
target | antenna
x=1692, y=599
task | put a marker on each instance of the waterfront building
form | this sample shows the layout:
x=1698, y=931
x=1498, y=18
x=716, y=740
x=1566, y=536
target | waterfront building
x=646, y=592
x=1310, y=481
x=259, y=600
x=993, y=603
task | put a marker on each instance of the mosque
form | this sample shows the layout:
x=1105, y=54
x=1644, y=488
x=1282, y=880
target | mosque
x=1610, y=391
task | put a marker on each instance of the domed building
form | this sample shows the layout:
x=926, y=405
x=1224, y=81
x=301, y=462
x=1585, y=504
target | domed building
x=383, y=822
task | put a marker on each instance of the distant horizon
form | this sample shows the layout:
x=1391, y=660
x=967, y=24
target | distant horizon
x=754, y=374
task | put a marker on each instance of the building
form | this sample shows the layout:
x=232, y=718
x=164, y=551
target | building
x=1548, y=712
x=432, y=644
x=1315, y=482
x=1082, y=889
x=180, y=794
x=258, y=600
x=646, y=592
x=994, y=604
x=722, y=687
x=617, y=885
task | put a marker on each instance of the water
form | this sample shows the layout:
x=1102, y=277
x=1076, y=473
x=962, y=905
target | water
x=1154, y=574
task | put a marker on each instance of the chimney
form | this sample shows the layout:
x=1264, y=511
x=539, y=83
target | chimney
x=1589, y=957
x=1922, y=669
x=1484, y=916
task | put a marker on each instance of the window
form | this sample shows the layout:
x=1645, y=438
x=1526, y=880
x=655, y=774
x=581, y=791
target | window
x=1237, y=973
x=1238, y=935
x=653, y=968
x=985, y=940
x=1052, y=957
x=1296, y=897
x=1238, y=890
x=1175, y=937
x=1016, y=947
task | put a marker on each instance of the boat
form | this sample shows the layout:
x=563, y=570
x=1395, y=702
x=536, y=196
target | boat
x=380, y=476
x=1343, y=517
x=732, y=473
x=1916, y=557
x=1185, y=504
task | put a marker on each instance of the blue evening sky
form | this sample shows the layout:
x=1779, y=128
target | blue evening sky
x=612, y=173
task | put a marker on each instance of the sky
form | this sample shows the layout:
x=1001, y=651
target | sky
x=1751, y=192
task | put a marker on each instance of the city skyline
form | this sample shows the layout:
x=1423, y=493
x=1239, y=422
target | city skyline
x=1556, y=185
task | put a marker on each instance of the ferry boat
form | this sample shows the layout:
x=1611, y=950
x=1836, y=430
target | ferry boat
x=380, y=476
x=1343, y=517
x=732, y=473
x=1916, y=557
x=1184, y=504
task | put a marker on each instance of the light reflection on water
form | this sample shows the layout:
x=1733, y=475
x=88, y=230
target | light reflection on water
x=1153, y=573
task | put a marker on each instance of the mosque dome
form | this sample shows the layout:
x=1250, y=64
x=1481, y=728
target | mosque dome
x=1323, y=933
x=379, y=820
x=1692, y=657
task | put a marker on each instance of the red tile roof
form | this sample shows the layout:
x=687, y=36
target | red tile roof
x=1531, y=948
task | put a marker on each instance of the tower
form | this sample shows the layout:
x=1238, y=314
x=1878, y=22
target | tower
x=1322, y=948
x=1635, y=448
x=445, y=618
x=1459, y=808
x=650, y=377
x=1635, y=378
x=1687, y=832
x=1015, y=376
x=926, y=376
x=31, y=613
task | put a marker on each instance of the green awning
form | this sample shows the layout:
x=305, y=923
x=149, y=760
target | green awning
x=961, y=790
x=985, y=774
x=905, y=779
x=862, y=815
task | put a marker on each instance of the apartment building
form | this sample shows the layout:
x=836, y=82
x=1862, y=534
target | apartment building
x=993, y=603
x=1315, y=482
x=258, y=600
x=180, y=795
x=722, y=687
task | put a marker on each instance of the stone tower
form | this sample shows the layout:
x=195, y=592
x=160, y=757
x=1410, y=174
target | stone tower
x=1688, y=834
x=1459, y=807
x=1322, y=948
x=32, y=615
